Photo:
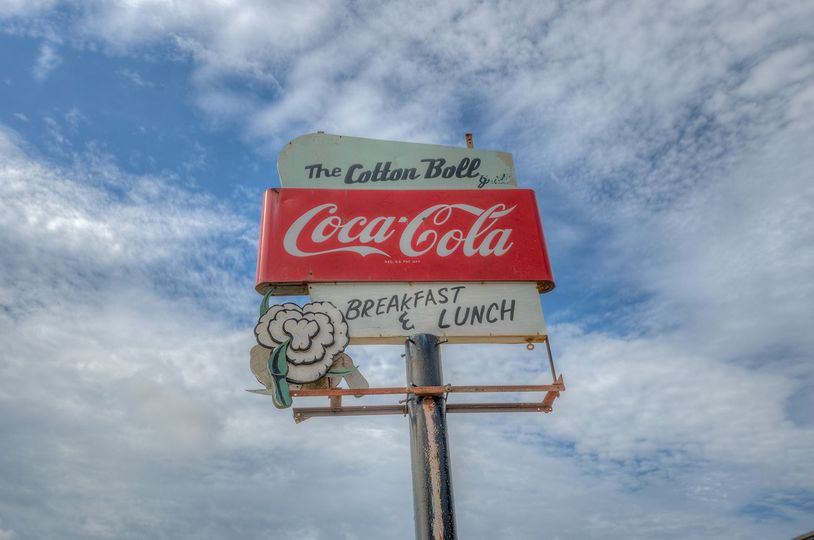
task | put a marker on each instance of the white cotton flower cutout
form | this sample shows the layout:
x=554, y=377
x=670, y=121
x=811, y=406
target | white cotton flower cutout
x=301, y=332
x=316, y=333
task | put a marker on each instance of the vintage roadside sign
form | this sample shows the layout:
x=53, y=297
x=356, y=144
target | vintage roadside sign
x=325, y=235
x=460, y=312
x=450, y=252
x=320, y=160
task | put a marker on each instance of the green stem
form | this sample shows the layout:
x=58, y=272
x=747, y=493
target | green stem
x=278, y=367
x=264, y=305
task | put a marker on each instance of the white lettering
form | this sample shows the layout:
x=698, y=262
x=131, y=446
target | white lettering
x=423, y=233
x=293, y=234
x=344, y=233
x=382, y=234
x=496, y=212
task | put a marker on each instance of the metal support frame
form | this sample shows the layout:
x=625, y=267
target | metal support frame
x=304, y=413
x=552, y=392
x=546, y=405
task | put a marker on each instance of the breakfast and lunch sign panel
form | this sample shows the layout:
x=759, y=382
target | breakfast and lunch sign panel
x=460, y=312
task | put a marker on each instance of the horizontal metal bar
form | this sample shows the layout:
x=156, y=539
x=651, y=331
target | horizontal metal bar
x=304, y=413
x=453, y=340
x=559, y=386
x=349, y=391
x=496, y=407
x=452, y=389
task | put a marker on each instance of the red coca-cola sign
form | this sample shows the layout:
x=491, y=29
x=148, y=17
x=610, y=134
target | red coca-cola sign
x=326, y=235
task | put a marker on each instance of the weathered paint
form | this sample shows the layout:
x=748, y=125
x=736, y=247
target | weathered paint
x=433, y=504
x=500, y=312
x=320, y=160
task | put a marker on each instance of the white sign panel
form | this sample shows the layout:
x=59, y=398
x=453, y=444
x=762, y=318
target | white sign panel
x=320, y=160
x=506, y=312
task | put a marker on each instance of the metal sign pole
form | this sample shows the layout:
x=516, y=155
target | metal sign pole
x=433, y=506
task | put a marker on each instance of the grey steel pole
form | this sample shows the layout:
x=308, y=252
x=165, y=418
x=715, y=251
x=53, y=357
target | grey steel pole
x=433, y=506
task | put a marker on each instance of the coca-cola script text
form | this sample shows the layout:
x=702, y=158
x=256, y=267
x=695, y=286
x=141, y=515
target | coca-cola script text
x=422, y=233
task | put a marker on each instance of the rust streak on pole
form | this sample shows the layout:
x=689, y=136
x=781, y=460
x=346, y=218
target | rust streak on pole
x=432, y=480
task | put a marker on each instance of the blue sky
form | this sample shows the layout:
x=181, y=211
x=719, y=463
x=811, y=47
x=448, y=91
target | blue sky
x=670, y=147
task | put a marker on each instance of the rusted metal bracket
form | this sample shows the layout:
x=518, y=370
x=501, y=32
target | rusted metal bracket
x=334, y=394
x=558, y=386
x=302, y=414
x=546, y=405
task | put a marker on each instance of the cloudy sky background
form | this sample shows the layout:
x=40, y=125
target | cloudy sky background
x=671, y=147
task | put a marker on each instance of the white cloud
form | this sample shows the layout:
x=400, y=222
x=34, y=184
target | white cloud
x=135, y=78
x=7, y=534
x=74, y=118
x=69, y=223
x=18, y=8
x=47, y=61
x=775, y=73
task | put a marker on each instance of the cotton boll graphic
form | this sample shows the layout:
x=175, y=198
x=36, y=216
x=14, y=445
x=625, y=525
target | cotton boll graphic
x=315, y=334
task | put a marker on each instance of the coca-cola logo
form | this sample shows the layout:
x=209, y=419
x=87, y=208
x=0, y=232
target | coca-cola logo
x=444, y=229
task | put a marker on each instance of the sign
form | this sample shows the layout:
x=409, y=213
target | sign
x=324, y=235
x=459, y=312
x=319, y=160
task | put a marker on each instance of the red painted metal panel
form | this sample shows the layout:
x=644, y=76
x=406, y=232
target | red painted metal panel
x=324, y=235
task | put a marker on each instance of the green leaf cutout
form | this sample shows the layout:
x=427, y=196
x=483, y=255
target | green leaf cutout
x=340, y=372
x=264, y=305
x=278, y=367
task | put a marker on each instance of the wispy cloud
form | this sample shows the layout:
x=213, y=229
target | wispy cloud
x=47, y=61
x=74, y=118
x=16, y=8
x=135, y=78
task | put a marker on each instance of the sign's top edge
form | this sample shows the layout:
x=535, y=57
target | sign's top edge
x=327, y=135
x=391, y=191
